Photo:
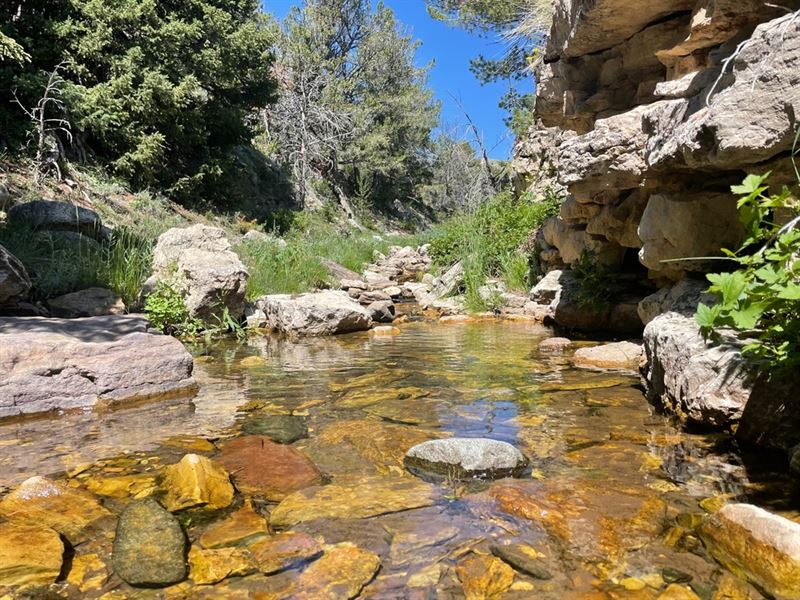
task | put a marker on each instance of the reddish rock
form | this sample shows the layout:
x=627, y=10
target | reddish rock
x=285, y=551
x=260, y=466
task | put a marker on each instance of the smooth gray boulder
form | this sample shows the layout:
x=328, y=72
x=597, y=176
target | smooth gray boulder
x=198, y=262
x=317, y=313
x=149, y=546
x=465, y=458
x=57, y=216
x=56, y=364
x=14, y=280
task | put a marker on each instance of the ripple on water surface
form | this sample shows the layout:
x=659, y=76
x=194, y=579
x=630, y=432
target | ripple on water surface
x=606, y=505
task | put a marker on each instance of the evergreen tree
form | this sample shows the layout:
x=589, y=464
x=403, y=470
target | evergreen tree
x=157, y=89
x=355, y=116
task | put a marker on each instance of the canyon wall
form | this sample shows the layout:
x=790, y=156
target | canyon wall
x=648, y=110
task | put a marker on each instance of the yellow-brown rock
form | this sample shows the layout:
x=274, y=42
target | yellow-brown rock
x=212, y=566
x=41, y=502
x=88, y=572
x=756, y=544
x=340, y=574
x=285, y=551
x=677, y=592
x=123, y=486
x=243, y=526
x=484, y=577
x=196, y=481
x=29, y=555
x=353, y=498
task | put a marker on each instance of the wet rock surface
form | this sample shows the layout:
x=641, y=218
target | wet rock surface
x=196, y=481
x=149, y=546
x=283, y=429
x=260, y=466
x=464, y=458
x=29, y=555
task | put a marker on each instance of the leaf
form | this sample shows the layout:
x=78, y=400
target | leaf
x=729, y=285
x=706, y=316
x=751, y=185
x=790, y=291
x=746, y=317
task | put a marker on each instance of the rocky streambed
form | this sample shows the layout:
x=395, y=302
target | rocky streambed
x=289, y=476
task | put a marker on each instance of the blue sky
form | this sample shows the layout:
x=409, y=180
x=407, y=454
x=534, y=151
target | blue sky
x=450, y=48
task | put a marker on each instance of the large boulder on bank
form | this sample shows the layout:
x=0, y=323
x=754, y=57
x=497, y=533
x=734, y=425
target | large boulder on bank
x=57, y=216
x=465, y=458
x=616, y=355
x=53, y=364
x=14, y=281
x=702, y=382
x=91, y=302
x=316, y=313
x=762, y=546
x=198, y=261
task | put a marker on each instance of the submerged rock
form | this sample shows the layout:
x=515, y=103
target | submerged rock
x=341, y=573
x=353, y=498
x=484, y=576
x=381, y=311
x=283, y=429
x=38, y=501
x=29, y=555
x=207, y=567
x=318, y=313
x=51, y=364
x=285, y=551
x=260, y=466
x=196, y=481
x=763, y=546
x=150, y=546
x=463, y=458
x=243, y=526
x=91, y=302
x=617, y=355
x=523, y=558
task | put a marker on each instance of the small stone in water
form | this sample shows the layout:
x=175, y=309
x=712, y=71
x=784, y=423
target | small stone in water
x=464, y=458
x=245, y=525
x=149, y=546
x=483, y=576
x=342, y=572
x=283, y=429
x=207, y=567
x=671, y=575
x=285, y=551
x=197, y=481
x=523, y=559
x=29, y=555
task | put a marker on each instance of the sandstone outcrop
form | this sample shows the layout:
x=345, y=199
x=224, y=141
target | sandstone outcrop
x=56, y=364
x=199, y=263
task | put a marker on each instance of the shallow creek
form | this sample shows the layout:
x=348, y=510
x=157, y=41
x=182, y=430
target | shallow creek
x=605, y=510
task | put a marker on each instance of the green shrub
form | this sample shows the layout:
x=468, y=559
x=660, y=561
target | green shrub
x=167, y=312
x=762, y=296
x=598, y=284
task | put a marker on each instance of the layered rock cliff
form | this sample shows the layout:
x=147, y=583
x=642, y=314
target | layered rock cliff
x=648, y=111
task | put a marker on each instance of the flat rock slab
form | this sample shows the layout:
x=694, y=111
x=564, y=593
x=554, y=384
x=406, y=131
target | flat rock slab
x=466, y=458
x=260, y=466
x=56, y=364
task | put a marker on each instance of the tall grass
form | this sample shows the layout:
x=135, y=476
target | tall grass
x=60, y=264
x=298, y=267
x=488, y=242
